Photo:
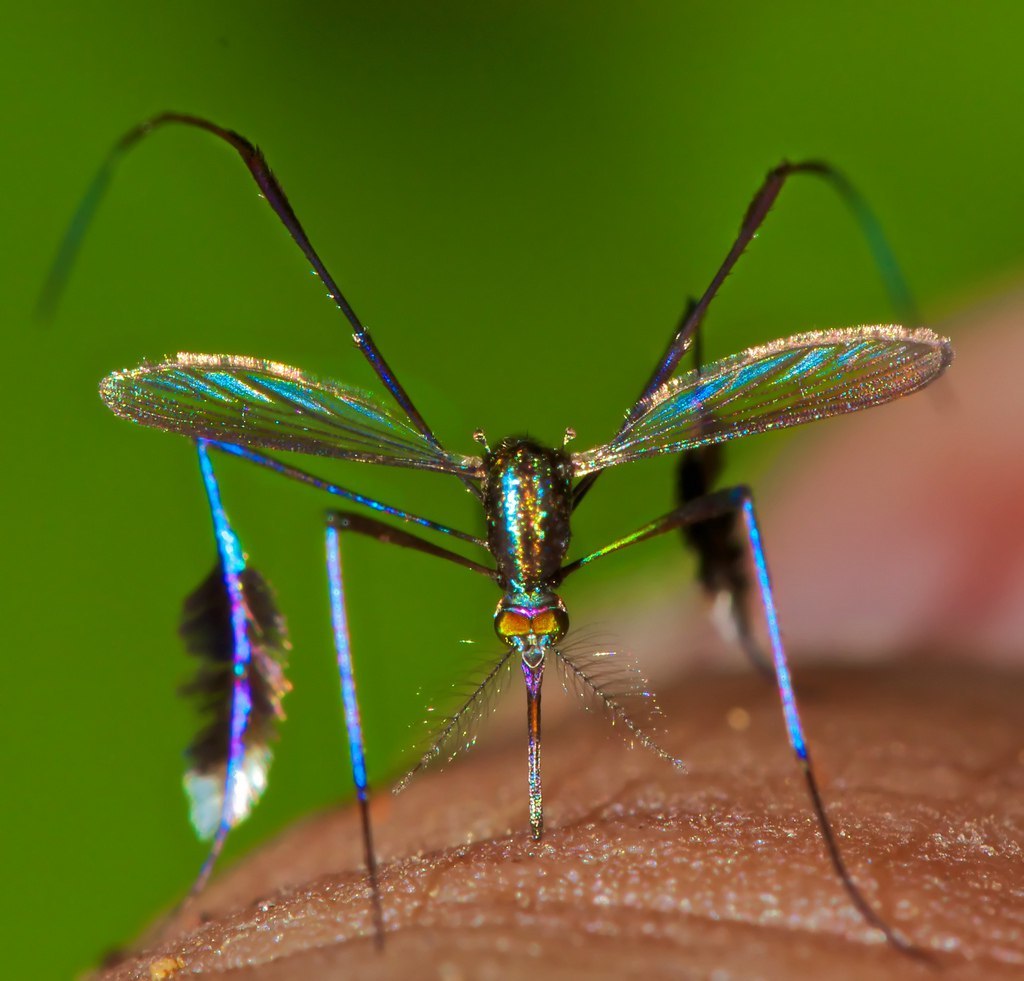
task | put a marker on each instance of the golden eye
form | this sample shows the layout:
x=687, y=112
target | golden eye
x=511, y=624
x=544, y=622
x=551, y=622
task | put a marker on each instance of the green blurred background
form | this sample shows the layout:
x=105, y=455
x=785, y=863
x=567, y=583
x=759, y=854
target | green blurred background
x=517, y=198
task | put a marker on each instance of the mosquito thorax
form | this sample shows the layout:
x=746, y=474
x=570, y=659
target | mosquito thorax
x=527, y=503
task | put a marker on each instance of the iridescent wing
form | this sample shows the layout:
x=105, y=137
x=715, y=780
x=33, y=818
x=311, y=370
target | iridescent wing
x=264, y=404
x=784, y=383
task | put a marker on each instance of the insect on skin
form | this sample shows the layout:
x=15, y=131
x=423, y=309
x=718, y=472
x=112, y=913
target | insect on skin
x=528, y=492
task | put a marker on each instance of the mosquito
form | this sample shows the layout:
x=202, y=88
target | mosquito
x=528, y=492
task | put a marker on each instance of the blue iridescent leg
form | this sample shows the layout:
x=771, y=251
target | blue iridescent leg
x=730, y=501
x=303, y=477
x=702, y=509
x=353, y=726
x=236, y=796
x=338, y=522
x=796, y=733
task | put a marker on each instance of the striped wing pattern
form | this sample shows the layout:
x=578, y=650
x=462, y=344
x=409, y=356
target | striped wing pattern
x=265, y=404
x=785, y=383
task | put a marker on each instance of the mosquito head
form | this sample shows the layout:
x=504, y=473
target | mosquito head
x=531, y=624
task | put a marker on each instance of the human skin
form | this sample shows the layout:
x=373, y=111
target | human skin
x=721, y=871
x=645, y=871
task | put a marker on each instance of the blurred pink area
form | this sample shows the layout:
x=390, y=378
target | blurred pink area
x=901, y=530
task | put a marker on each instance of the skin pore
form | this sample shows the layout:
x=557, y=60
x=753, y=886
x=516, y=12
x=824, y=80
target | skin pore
x=720, y=871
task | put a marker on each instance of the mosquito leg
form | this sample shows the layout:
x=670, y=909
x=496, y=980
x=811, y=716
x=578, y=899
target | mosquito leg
x=232, y=564
x=704, y=509
x=533, y=672
x=733, y=500
x=721, y=552
x=362, y=525
x=303, y=477
x=337, y=522
x=752, y=220
x=796, y=734
x=231, y=622
x=353, y=727
x=688, y=328
x=272, y=190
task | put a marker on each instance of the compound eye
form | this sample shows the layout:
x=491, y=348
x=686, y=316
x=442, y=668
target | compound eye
x=508, y=623
x=551, y=622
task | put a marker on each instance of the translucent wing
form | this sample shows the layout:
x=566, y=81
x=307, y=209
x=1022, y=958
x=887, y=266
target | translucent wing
x=784, y=383
x=265, y=404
